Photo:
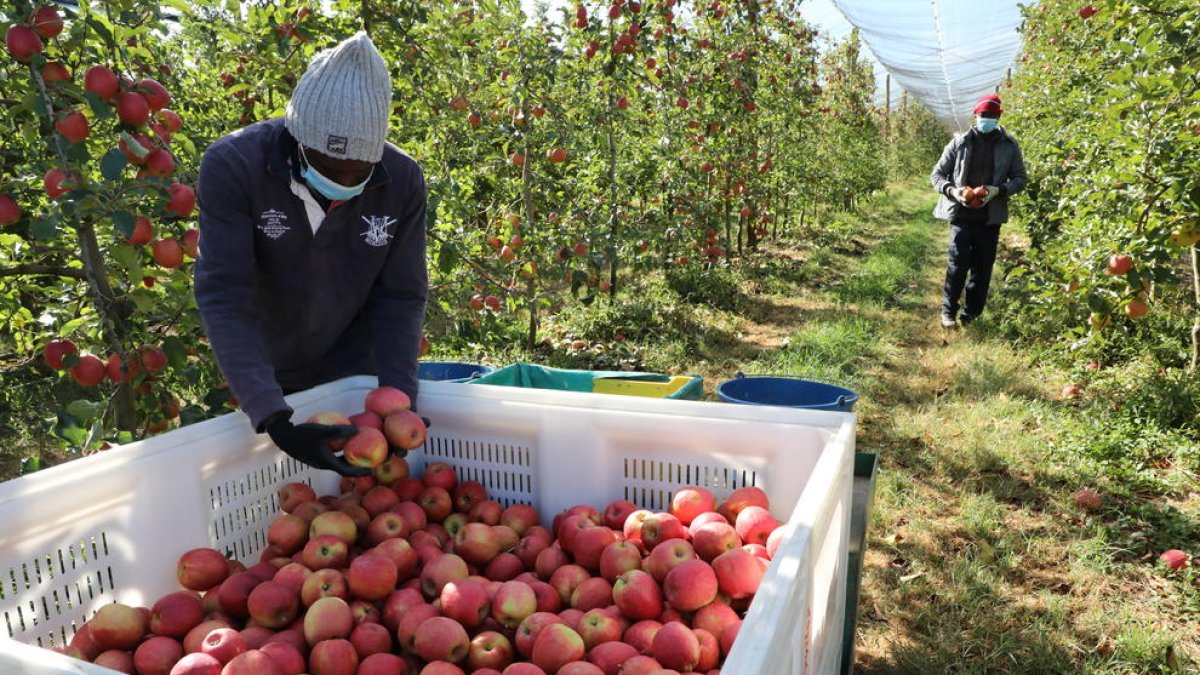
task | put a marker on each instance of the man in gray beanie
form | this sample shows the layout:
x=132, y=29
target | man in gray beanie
x=313, y=258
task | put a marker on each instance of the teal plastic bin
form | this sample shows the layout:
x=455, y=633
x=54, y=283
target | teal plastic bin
x=531, y=376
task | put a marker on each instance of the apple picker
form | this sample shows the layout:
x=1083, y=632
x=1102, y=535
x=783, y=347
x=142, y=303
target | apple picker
x=313, y=260
x=976, y=174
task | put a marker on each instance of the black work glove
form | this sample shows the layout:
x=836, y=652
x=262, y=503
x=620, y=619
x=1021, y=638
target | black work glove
x=309, y=443
x=401, y=452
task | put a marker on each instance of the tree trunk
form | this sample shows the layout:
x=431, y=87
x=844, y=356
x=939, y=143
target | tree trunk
x=1196, y=326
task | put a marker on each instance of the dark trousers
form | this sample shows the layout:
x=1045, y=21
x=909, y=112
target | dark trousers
x=971, y=256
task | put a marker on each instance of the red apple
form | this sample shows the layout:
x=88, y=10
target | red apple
x=713, y=539
x=739, y=573
x=690, y=585
x=590, y=544
x=754, y=524
x=328, y=618
x=598, y=626
x=1119, y=264
x=117, y=626
x=119, y=660
x=555, y=646
x=520, y=517
x=384, y=401
x=167, y=253
x=566, y=578
x=467, y=494
x=102, y=82
x=715, y=617
x=382, y=664
x=609, y=656
x=1174, y=559
x=740, y=499
x=324, y=551
x=23, y=43
x=371, y=638
x=504, y=567
x=638, y=595
x=675, y=646
x=466, y=602
x=619, y=557
x=367, y=448
x=440, y=571
x=325, y=582
x=157, y=655
x=89, y=372
x=223, y=644
x=404, y=429
x=372, y=576
x=72, y=125
x=294, y=494
x=593, y=593
x=156, y=95
x=440, y=475
x=174, y=614
x=489, y=649
x=182, y=200
x=441, y=639
x=689, y=502
x=665, y=557
x=513, y=602
x=528, y=630
x=334, y=523
x=659, y=527
x=332, y=657
x=197, y=663
x=201, y=569
x=46, y=21
x=132, y=108
x=616, y=513
x=394, y=468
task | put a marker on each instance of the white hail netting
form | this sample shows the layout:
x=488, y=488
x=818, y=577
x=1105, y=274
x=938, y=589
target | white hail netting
x=946, y=53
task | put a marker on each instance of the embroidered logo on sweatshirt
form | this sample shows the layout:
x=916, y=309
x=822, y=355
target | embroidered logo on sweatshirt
x=274, y=224
x=377, y=233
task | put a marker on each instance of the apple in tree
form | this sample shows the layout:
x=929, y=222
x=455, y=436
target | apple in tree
x=23, y=43
x=46, y=21
x=1119, y=264
x=89, y=372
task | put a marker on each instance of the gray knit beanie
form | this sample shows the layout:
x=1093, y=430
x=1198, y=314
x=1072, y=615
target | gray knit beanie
x=341, y=105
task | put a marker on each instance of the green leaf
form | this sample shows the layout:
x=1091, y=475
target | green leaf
x=129, y=258
x=100, y=109
x=144, y=300
x=111, y=166
x=176, y=351
x=447, y=257
x=68, y=428
x=44, y=229
x=85, y=410
x=124, y=221
x=79, y=154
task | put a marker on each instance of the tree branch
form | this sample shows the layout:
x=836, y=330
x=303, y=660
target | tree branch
x=54, y=270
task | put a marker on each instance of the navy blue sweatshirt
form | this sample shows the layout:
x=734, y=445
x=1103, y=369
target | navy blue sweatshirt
x=286, y=309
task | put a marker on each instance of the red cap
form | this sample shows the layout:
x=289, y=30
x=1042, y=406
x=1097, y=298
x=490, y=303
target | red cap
x=988, y=104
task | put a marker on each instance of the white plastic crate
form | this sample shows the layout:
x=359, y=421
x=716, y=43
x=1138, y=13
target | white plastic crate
x=111, y=527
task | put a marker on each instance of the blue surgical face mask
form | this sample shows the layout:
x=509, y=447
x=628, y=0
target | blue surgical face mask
x=986, y=125
x=329, y=188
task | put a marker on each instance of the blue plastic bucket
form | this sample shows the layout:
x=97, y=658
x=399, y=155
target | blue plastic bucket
x=448, y=371
x=791, y=392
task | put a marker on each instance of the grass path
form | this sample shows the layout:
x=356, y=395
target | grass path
x=977, y=560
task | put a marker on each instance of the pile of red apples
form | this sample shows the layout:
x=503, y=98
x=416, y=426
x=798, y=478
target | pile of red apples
x=399, y=575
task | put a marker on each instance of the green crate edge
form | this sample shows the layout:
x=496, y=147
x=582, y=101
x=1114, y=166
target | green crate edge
x=866, y=465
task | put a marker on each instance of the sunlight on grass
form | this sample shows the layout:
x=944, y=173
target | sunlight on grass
x=825, y=348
